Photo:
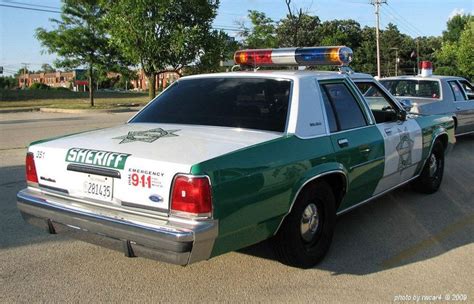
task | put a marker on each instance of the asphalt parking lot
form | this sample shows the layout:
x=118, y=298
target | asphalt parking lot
x=400, y=246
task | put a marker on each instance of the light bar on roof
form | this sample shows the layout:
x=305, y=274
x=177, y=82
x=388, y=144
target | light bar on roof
x=307, y=56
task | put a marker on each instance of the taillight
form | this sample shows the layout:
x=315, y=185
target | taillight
x=191, y=195
x=31, y=175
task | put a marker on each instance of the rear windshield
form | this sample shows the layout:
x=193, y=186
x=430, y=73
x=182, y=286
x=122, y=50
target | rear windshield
x=413, y=88
x=252, y=103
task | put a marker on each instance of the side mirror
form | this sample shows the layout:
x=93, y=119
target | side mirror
x=402, y=115
x=406, y=104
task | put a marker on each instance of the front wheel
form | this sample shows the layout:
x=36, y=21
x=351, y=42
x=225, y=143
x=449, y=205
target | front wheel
x=431, y=176
x=306, y=234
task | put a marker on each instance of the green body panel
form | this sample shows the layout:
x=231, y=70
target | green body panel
x=253, y=188
x=363, y=159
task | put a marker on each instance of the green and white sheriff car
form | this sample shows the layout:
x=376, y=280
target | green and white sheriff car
x=218, y=162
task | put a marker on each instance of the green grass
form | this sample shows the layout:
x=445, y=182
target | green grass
x=10, y=99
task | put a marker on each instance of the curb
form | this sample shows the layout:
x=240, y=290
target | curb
x=81, y=111
x=71, y=111
x=20, y=110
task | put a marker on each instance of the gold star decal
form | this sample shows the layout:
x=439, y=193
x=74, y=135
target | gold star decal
x=148, y=136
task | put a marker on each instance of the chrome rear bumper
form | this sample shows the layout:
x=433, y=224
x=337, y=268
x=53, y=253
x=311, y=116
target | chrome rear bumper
x=178, y=242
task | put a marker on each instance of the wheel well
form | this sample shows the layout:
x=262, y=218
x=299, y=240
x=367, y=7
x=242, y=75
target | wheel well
x=337, y=182
x=443, y=138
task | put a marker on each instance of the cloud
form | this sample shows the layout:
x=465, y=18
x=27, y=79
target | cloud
x=455, y=12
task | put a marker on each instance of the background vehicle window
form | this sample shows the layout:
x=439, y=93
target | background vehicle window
x=468, y=89
x=382, y=107
x=413, y=88
x=347, y=111
x=330, y=112
x=457, y=91
x=253, y=103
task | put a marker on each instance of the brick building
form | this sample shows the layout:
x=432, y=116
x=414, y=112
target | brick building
x=162, y=81
x=75, y=79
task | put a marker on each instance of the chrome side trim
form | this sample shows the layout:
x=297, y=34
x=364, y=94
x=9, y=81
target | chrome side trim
x=465, y=133
x=367, y=162
x=307, y=182
x=56, y=189
x=394, y=187
x=375, y=196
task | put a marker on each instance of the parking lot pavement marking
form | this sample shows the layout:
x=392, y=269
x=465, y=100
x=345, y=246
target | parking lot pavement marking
x=426, y=243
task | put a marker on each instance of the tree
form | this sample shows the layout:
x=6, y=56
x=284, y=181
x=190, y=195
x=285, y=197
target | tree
x=299, y=31
x=80, y=38
x=262, y=31
x=455, y=26
x=465, y=55
x=341, y=32
x=161, y=35
x=47, y=68
x=456, y=58
x=219, y=47
x=8, y=82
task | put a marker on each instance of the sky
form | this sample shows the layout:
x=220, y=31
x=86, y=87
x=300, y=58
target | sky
x=413, y=17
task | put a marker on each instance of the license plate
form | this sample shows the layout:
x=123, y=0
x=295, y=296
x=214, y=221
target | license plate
x=98, y=187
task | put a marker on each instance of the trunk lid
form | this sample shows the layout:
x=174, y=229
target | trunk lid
x=133, y=165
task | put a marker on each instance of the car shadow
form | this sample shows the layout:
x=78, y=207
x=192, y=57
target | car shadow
x=13, y=230
x=403, y=226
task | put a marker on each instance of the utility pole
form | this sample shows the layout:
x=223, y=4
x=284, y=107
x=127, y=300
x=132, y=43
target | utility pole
x=396, y=59
x=418, y=55
x=376, y=4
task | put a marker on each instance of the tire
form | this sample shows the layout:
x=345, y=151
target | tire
x=306, y=233
x=431, y=176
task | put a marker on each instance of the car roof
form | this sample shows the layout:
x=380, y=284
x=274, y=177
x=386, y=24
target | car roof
x=291, y=74
x=419, y=77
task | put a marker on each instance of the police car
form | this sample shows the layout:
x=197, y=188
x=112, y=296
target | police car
x=435, y=94
x=218, y=162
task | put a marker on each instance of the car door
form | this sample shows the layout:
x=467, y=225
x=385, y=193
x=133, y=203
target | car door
x=357, y=143
x=402, y=138
x=463, y=105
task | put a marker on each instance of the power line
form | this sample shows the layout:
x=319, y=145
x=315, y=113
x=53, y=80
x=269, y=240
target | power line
x=30, y=8
x=221, y=27
x=417, y=30
x=400, y=24
x=31, y=4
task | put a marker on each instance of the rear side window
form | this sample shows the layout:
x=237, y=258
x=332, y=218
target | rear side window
x=252, y=103
x=457, y=91
x=346, y=109
x=413, y=88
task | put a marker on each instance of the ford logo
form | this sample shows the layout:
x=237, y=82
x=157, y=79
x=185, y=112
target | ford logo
x=155, y=198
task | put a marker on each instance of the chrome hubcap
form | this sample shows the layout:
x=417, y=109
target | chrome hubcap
x=433, y=164
x=309, y=222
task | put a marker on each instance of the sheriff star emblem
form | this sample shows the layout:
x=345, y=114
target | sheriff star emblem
x=404, y=149
x=146, y=136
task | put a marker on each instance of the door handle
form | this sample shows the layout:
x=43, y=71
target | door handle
x=388, y=131
x=343, y=142
x=458, y=108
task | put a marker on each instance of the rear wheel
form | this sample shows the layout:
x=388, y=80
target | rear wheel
x=431, y=176
x=306, y=234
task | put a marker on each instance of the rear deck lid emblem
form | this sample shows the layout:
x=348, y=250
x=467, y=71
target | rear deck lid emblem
x=155, y=198
x=148, y=136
